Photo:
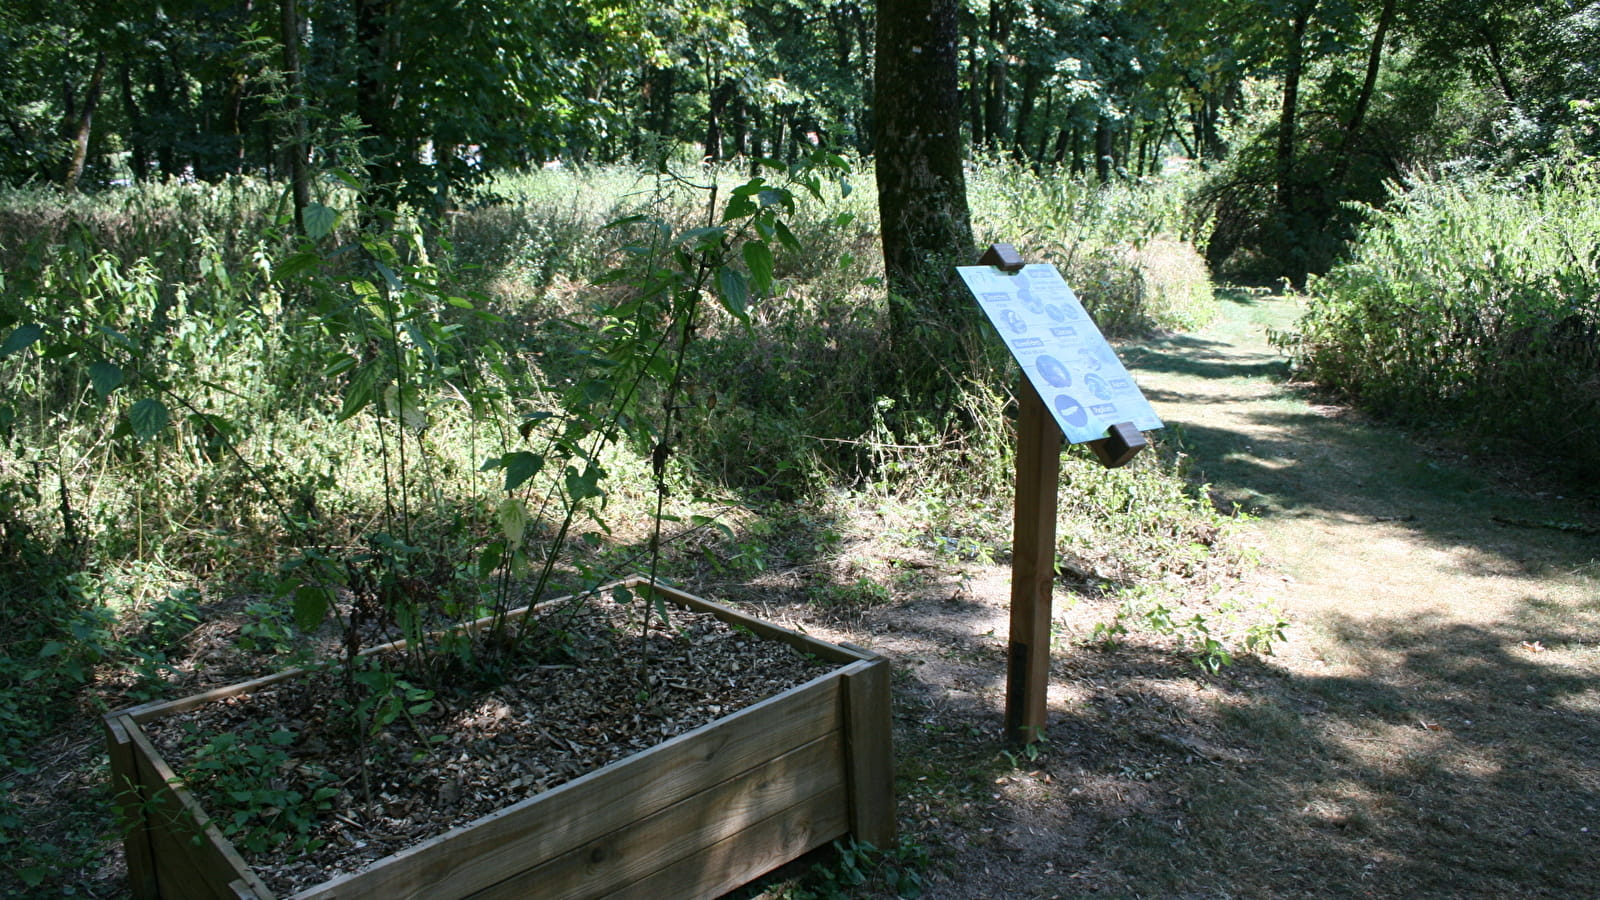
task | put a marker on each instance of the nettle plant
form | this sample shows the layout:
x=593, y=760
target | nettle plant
x=446, y=477
x=408, y=351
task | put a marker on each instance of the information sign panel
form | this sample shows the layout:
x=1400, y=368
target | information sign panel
x=1061, y=350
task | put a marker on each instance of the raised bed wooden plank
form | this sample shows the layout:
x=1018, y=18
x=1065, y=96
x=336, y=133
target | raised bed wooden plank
x=174, y=821
x=795, y=639
x=647, y=845
x=602, y=809
x=869, y=750
x=759, y=849
x=499, y=846
x=157, y=709
x=125, y=786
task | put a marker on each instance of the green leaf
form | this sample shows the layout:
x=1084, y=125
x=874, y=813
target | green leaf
x=406, y=406
x=339, y=365
x=582, y=487
x=520, y=466
x=773, y=197
x=786, y=237
x=733, y=293
x=311, y=605
x=490, y=558
x=702, y=238
x=21, y=339
x=758, y=256
x=531, y=420
x=360, y=393
x=738, y=208
x=319, y=221
x=295, y=264
x=105, y=377
x=148, y=417
x=708, y=521
x=513, y=518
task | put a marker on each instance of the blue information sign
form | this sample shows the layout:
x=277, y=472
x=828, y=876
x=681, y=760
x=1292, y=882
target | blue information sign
x=1070, y=363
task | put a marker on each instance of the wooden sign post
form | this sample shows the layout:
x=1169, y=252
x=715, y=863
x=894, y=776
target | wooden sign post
x=1062, y=352
x=1033, y=564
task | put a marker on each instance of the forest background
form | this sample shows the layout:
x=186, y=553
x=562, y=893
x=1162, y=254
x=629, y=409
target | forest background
x=279, y=278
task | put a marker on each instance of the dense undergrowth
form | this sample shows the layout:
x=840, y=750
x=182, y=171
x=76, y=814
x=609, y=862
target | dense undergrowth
x=1472, y=306
x=204, y=413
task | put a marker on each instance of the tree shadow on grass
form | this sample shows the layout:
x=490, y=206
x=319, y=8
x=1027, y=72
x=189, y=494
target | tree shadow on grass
x=1442, y=761
x=1200, y=358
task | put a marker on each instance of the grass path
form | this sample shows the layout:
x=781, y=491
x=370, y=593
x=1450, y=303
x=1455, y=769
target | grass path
x=1431, y=728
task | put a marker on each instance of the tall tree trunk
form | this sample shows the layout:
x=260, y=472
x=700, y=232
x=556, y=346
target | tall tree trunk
x=1288, y=111
x=1176, y=131
x=716, y=108
x=1497, y=63
x=1358, y=115
x=974, y=92
x=79, y=124
x=1103, y=149
x=996, y=79
x=922, y=189
x=740, y=125
x=1030, y=95
x=778, y=145
x=373, y=102
x=1044, y=132
x=1295, y=262
x=299, y=177
x=138, y=151
x=233, y=106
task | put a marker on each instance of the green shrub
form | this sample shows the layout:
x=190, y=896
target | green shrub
x=1123, y=247
x=1473, y=304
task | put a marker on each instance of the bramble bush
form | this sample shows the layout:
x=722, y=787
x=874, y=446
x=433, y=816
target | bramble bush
x=1472, y=304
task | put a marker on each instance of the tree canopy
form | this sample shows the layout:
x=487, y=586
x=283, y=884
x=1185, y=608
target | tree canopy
x=1313, y=102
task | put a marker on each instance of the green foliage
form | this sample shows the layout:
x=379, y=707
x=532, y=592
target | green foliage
x=857, y=869
x=277, y=814
x=1121, y=246
x=374, y=433
x=1472, y=304
x=1211, y=638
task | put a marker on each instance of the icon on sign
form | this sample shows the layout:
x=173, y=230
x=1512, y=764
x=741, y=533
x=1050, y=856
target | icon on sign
x=1052, y=371
x=1097, y=386
x=1056, y=312
x=1072, y=412
x=1090, y=360
x=1014, y=321
x=1025, y=294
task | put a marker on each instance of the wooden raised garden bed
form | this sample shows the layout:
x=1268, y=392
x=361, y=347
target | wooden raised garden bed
x=694, y=816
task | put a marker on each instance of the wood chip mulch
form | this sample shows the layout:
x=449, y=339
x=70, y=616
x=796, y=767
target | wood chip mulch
x=470, y=753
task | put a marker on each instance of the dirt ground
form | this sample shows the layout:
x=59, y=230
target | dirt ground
x=1429, y=728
